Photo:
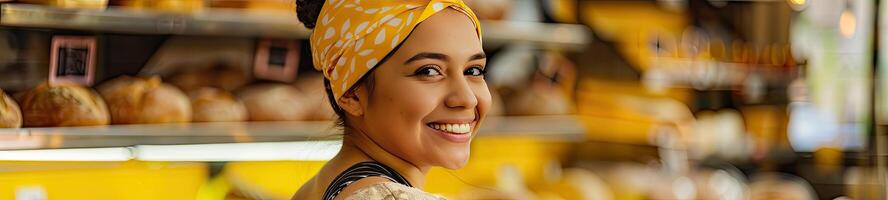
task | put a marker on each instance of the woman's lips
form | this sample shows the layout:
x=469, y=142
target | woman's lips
x=458, y=131
x=452, y=128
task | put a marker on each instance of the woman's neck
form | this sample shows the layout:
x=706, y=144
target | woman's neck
x=356, y=145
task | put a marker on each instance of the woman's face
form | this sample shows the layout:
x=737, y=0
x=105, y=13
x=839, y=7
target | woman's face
x=428, y=98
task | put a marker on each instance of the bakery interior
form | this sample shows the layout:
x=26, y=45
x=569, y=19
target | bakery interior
x=594, y=99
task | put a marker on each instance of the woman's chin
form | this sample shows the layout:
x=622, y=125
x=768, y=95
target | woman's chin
x=455, y=161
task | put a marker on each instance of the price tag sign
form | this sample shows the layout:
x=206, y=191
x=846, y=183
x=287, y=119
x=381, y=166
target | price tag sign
x=72, y=60
x=276, y=60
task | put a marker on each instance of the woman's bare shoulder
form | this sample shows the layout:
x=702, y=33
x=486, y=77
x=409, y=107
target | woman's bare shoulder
x=390, y=190
x=307, y=190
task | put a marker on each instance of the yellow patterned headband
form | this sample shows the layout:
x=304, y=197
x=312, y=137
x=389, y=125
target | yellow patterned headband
x=353, y=36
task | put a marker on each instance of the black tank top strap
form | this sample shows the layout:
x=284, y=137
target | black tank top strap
x=359, y=171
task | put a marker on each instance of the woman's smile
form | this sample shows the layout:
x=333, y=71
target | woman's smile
x=454, y=130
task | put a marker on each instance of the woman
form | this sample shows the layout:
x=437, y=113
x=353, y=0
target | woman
x=406, y=78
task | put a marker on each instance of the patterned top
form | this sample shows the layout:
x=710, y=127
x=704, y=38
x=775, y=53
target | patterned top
x=359, y=171
x=391, y=191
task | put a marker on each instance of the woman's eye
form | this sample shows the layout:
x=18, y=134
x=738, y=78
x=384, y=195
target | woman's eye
x=428, y=70
x=474, y=71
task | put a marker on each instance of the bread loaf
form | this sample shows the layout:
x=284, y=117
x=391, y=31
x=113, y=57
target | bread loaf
x=274, y=102
x=63, y=105
x=216, y=105
x=10, y=114
x=224, y=78
x=136, y=100
x=316, y=100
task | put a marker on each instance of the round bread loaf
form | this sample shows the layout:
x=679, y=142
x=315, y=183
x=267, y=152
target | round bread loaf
x=10, y=114
x=274, y=102
x=138, y=100
x=63, y=105
x=312, y=86
x=216, y=105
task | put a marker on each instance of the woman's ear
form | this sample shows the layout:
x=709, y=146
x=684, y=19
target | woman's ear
x=351, y=103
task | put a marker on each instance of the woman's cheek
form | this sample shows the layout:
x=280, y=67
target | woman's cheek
x=421, y=101
x=484, y=99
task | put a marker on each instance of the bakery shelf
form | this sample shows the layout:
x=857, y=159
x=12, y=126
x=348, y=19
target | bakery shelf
x=548, y=35
x=258, y=151
x=164, y=134
x=228, y=22
x=231, y=141
x=233, y=22
x=237, y=141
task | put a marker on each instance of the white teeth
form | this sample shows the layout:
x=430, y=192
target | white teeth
x=453, y=128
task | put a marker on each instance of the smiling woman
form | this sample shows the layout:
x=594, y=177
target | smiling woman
x=407, y=81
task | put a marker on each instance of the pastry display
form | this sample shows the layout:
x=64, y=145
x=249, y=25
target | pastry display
x=138, y=100
x=225, y=78
x=63, y=105
x=163, y=5
x=216, y=105
x=312, y=86
x=10, y=114
x=90, y=4
x=274, y=102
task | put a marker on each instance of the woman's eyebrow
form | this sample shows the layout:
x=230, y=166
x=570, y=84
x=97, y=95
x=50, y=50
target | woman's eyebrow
x=428, y=55
x=478, y=56
x=440, y=56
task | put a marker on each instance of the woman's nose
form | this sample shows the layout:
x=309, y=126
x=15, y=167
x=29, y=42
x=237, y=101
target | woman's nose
x=460, y=94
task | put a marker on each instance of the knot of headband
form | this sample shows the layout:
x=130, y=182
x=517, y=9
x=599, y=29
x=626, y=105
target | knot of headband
x=353, y=36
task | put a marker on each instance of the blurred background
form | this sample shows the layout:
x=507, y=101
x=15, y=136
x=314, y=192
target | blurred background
x=594, y=99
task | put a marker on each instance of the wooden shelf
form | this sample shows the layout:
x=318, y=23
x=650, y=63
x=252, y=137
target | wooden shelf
x=228, y=22
x=235, y=22
x=128, y=136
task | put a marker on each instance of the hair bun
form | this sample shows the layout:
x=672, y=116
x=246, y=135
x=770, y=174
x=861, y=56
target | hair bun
x=308, y=11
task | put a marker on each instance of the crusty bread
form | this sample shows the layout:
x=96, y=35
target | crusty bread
x=138, y=100
x=10, y=114
x=273, y=102
x=216, y=105
x=224, y=78
x=63, y=105
x=316, y=100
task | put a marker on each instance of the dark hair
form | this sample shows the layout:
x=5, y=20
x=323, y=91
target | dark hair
x=308, y=12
